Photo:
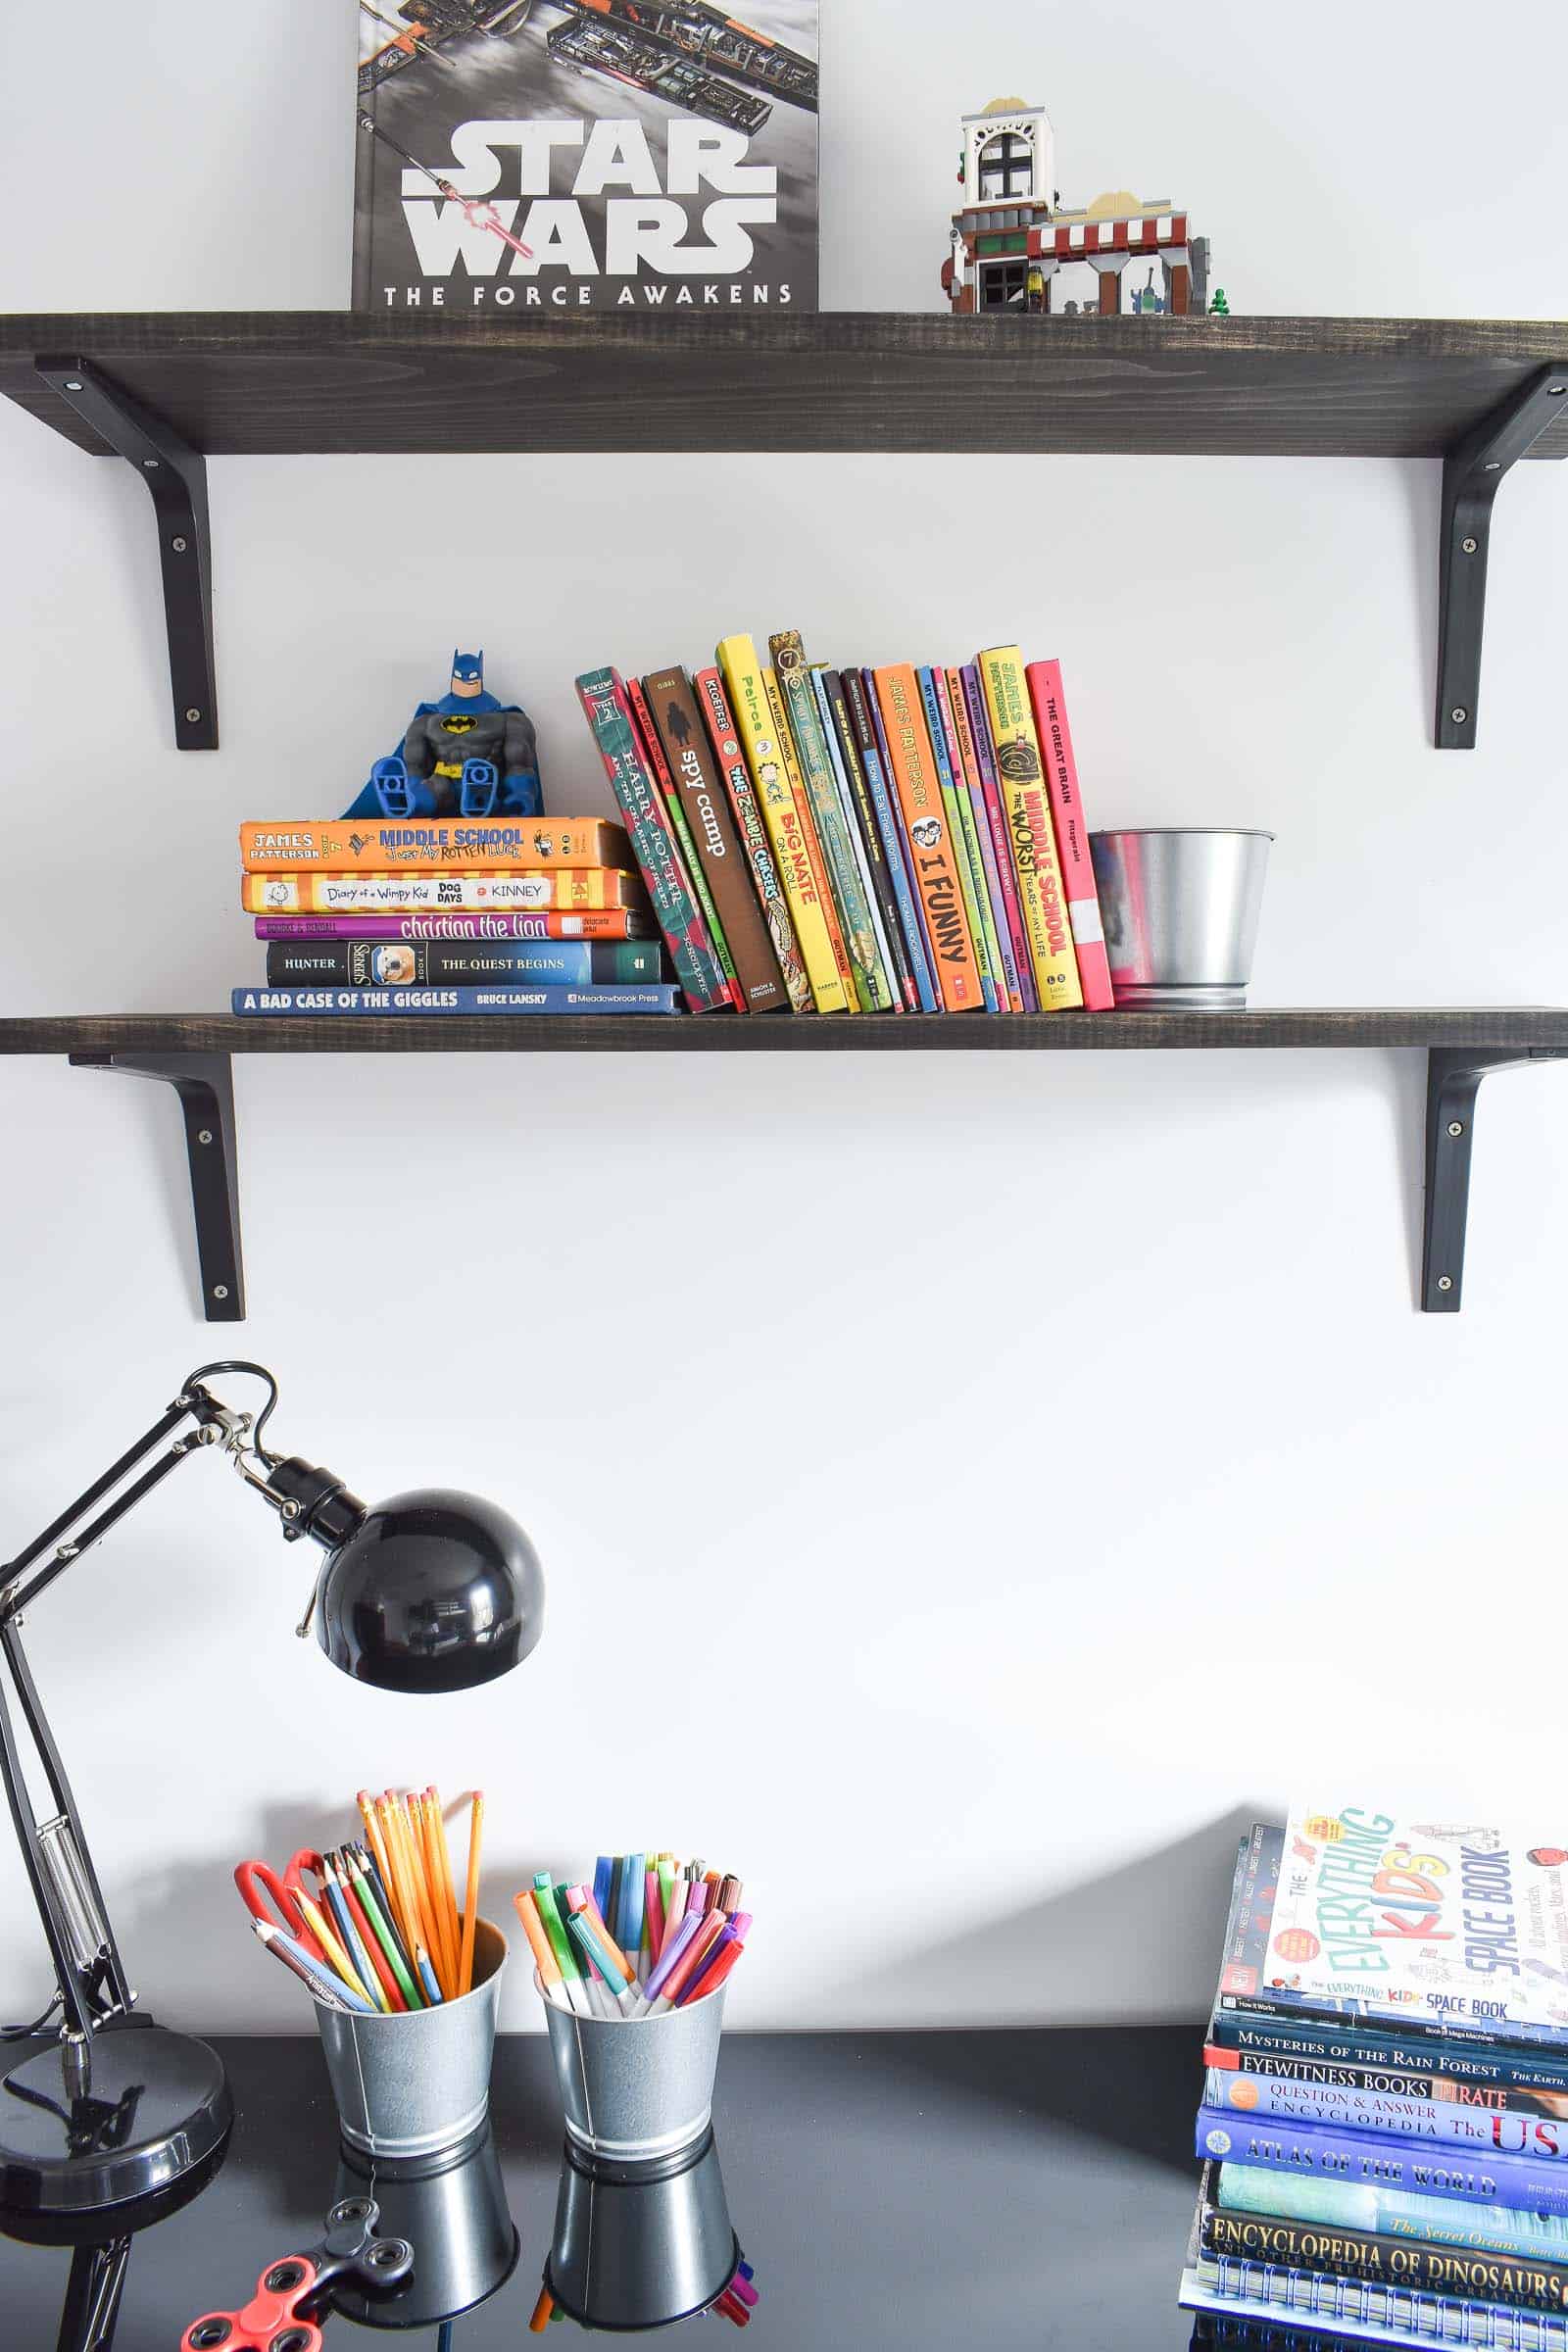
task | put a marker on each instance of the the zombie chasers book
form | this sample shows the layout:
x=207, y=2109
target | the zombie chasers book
x=562, y=154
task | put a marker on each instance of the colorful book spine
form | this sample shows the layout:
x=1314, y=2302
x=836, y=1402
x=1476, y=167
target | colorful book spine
x=967, y=767
x=604, y=922
x=1524, y=2182
x=351, y=1003
x=965, y=853
x=744, y=683
x=1484, y=2131
x=1029, y=825
x=425, y=963
x=873, y=703
x=1426, y=2081
x=864, y=838
x=686, y=849
x=724, y=737
x=971, y=833
x=895, y=848
x=433, y=845
x=1363, y=2310
x=410, y=894
x=711, y=827
x=872, y=988
x=1395, y=2211
x=1394, y=2261
x=1252, y=2036
x=972, y=695
x=936, y=856
x=608, y=714
x=1072, y=834
x=773, y=696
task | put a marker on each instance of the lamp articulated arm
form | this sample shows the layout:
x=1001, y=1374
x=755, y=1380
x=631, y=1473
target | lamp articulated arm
x=89, y=1974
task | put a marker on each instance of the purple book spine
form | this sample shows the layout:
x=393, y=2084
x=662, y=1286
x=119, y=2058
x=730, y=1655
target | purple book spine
x=1526, y=2183
x=1000, y=841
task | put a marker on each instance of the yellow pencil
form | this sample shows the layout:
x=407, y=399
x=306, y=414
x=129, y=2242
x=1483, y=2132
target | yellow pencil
x=372, y=1831
x=401, y=1891
x=425, y=1928
x=470, y=1901
x=332, y=1947
x=442, y=1950
x=449, y=1892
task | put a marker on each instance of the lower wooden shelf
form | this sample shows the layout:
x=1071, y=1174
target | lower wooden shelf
x=193, y=1053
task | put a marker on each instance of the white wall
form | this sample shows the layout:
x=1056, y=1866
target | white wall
x=989, y=1469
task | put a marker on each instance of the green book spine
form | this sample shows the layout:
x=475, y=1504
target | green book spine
x=872, y=985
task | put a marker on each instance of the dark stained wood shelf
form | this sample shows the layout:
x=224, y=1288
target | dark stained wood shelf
x=275, y=382
x=1531, y=1027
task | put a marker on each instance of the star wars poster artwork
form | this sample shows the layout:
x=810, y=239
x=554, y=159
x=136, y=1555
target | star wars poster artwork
x=518, y=157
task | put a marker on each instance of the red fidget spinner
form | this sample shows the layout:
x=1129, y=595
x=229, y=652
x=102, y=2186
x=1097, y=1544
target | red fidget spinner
x=291, y=2293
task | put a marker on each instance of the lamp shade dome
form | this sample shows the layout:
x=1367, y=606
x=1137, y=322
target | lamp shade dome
x=432, y=1590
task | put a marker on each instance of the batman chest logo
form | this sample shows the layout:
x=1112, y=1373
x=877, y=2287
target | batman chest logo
x=459, y=726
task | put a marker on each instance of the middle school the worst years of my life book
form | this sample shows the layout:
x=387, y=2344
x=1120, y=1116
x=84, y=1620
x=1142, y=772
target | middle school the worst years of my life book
x=519, y=155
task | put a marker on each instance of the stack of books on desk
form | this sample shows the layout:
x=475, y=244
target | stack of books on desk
x=1385, y=2124
x=486, y=915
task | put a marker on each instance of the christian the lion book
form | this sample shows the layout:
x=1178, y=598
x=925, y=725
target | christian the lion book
x=516, y=157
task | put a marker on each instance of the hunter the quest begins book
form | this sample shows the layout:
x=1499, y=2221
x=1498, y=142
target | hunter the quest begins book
x=564, y=154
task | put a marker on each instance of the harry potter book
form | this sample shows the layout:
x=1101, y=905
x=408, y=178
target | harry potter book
x=516, y=157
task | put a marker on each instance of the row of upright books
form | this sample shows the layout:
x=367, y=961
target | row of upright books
x=1385, y=2121
x=858, y=841
x=494, y=914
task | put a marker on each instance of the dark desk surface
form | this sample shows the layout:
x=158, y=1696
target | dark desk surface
x=906, y=2191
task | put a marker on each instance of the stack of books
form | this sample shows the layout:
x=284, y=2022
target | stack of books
x=858, y=841
x=1385, y=2123
x=484, y=914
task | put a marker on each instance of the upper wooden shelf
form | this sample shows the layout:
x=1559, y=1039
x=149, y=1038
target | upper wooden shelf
x=1523, y=1028
x=275, y=382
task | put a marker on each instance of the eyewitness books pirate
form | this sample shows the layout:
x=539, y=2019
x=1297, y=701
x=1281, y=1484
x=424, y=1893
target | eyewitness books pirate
x=564, y=154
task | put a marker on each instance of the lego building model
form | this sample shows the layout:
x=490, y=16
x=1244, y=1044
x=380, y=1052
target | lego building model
x=1012, y=239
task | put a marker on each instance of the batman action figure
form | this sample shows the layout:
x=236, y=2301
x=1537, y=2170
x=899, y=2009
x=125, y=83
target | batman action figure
x=468, y=754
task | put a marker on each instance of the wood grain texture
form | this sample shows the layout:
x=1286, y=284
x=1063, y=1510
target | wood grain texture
x=276, y=382
x=720, y=1033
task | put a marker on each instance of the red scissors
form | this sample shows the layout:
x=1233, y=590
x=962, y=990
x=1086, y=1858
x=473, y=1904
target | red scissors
x=291, y=2293
x=258, y=1884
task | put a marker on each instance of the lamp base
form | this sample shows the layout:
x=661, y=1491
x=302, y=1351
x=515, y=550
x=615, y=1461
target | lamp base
x=153, y=2106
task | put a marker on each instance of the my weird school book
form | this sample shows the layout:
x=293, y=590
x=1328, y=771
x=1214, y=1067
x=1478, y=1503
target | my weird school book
x=515, y=157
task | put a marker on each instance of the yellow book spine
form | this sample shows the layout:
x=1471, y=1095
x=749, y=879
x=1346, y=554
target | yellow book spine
x=762, y=742
x=1034, y=835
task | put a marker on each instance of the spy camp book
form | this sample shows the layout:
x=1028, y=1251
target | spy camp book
x=514, y=157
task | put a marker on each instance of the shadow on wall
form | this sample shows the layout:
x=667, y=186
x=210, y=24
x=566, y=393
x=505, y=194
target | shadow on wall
x=1092, y=1951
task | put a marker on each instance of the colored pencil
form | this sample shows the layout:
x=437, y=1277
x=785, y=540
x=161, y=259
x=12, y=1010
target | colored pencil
x=470, y=1898
x=337, y=1957
x=343, y=1878
x=365, y=1975
x=376, y=1904
x=428, y=1976
x=323, y=1987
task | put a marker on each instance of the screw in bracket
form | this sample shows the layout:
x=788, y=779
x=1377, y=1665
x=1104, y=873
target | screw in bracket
x=1468, y=545
x=1458, y=714
x=1444, y=1281
x=191, y=717
x=178, y=546
x=204, y=1135
x=219, y=1290
x=1456, y=1126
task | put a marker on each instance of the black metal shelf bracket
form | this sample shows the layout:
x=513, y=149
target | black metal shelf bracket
x=1454, y=1080
x=204, y=1085
x=176, y=474
x=1471, y=473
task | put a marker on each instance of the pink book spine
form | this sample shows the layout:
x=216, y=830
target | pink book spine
x=1072, y=834
x=974, y=703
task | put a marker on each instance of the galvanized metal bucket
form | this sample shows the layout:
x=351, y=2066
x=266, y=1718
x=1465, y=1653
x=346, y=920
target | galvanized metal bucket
x=637, y=2088
x=419, y=2081
x=1179, y=905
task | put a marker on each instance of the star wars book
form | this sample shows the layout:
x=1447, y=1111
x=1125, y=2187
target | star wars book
x=524, y=156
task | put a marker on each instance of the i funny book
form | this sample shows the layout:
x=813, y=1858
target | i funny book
x=1442, y=1923
x=520, y=156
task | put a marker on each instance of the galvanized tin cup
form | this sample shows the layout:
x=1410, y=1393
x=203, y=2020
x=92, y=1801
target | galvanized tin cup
x=418, y=2081
x=636, y=2087
x=1179, y=905
x=641, y=2246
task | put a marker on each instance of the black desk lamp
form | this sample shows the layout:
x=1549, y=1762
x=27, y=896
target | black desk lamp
x=432, y=1590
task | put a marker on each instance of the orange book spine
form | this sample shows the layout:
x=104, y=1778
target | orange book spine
x=813, y=848
x=433, y=845
x=933, y=854
x=417, y=893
